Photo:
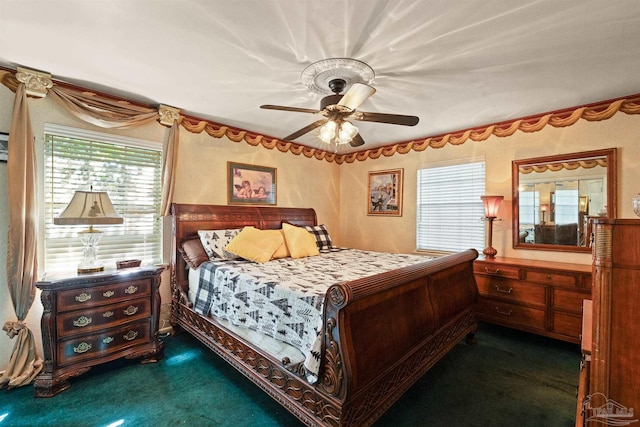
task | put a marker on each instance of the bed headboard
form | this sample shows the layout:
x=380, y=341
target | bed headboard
x=188, y=219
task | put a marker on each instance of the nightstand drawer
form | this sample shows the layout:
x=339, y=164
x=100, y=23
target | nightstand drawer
x=103, y=343
x=496, y=270
x=510, y=313
x=512, y=290
x=553, y=278
x=74, y=299
x=84, y=321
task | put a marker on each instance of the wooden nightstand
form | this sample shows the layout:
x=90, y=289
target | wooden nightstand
x=90, y=319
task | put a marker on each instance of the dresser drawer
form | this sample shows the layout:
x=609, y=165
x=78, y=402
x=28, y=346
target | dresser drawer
x=501, y=312
x=569, y=300
x=505, y=271
x=73, y=299
x=91, y=319
x=103, y=343
x=552, y=278
x=512, y=290
x=567, y=324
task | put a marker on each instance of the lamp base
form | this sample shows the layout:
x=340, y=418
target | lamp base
x=90, y=239
x=490, y=252
x=90, y=269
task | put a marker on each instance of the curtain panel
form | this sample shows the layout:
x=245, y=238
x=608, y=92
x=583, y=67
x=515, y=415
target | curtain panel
x=22, y=267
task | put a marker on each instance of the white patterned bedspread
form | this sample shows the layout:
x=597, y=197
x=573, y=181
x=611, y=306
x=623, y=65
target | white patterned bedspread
x=284, y=298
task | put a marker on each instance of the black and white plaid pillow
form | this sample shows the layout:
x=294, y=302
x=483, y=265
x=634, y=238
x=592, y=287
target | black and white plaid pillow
x=322, y=236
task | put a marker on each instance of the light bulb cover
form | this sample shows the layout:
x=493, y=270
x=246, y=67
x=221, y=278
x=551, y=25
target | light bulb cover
x=328, y=131
x=348, y=130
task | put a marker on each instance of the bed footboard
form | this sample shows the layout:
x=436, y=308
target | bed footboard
x=385, y=332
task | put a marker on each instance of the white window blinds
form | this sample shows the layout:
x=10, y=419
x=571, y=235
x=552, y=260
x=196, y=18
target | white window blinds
x=450, y=210
x=129, y=170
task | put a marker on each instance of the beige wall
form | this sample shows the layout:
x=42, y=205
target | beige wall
x=338, y=192
x=202, y=169
x=398, y=234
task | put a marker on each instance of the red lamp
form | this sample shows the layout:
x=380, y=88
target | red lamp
x=491, y=206
x=544, y=208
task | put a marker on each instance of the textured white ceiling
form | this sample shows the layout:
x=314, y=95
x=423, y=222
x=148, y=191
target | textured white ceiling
x=455, y=64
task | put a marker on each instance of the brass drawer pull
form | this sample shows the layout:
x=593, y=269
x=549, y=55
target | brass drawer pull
x=496, y=271
x=504, y=291
x=83, y=347
x=131, y=335
x=83, y=297
x=107, y=314
x=107, y=340
x=506, y=313
x=82, y=322
x=131, y=290
x=131, y=310
x=108, y=294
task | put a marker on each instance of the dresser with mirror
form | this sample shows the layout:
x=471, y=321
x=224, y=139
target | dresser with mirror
x=555, y=199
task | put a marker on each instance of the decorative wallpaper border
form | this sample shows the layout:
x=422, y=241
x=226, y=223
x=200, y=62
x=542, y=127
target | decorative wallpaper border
x=602, y=110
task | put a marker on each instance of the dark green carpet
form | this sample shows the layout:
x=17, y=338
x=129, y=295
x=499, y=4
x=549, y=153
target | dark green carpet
x=509, y=378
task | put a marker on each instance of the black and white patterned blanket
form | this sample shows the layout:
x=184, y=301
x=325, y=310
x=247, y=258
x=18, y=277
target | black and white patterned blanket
x=284, y=298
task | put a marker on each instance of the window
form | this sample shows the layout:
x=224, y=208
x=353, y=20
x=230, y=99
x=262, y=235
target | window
x=566, y=204
x=529, y=207
x=129, y=170
x=450, y=209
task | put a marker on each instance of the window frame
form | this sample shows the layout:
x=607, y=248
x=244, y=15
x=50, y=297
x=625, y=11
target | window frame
x=141, y=234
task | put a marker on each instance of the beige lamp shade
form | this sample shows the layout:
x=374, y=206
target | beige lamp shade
x=89, y=208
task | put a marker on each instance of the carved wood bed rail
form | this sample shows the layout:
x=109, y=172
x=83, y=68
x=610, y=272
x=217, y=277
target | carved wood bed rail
x=381, y=333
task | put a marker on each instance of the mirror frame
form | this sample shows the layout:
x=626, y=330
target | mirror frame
x=612, y=173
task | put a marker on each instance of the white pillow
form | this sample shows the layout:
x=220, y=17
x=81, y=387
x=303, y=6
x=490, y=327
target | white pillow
x=214, y=242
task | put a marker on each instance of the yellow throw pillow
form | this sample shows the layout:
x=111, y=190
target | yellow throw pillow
x=299, y=241
x=282, y=251
x=255, y=245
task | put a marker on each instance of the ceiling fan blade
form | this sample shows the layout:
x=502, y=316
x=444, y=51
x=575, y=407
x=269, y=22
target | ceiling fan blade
x=356, y=95
x=305, y=129
x=394, y=119
x=283, y=108
x=357, y=141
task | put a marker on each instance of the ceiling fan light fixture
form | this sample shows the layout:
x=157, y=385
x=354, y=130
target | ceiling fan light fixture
x=336, y=75
x=346, y=133
x=332, y=132
x=328, y=131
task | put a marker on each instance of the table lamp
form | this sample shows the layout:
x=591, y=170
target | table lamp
x=89, y=208
x=491, y=206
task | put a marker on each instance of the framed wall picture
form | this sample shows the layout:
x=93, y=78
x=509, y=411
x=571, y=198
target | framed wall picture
x=251, y=184
x=4, y=146
x=385, y=192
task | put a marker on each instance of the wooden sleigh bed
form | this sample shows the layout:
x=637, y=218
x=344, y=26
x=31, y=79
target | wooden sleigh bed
x=380, y=334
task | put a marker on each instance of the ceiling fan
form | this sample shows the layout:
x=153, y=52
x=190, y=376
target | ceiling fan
x=337, y=109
